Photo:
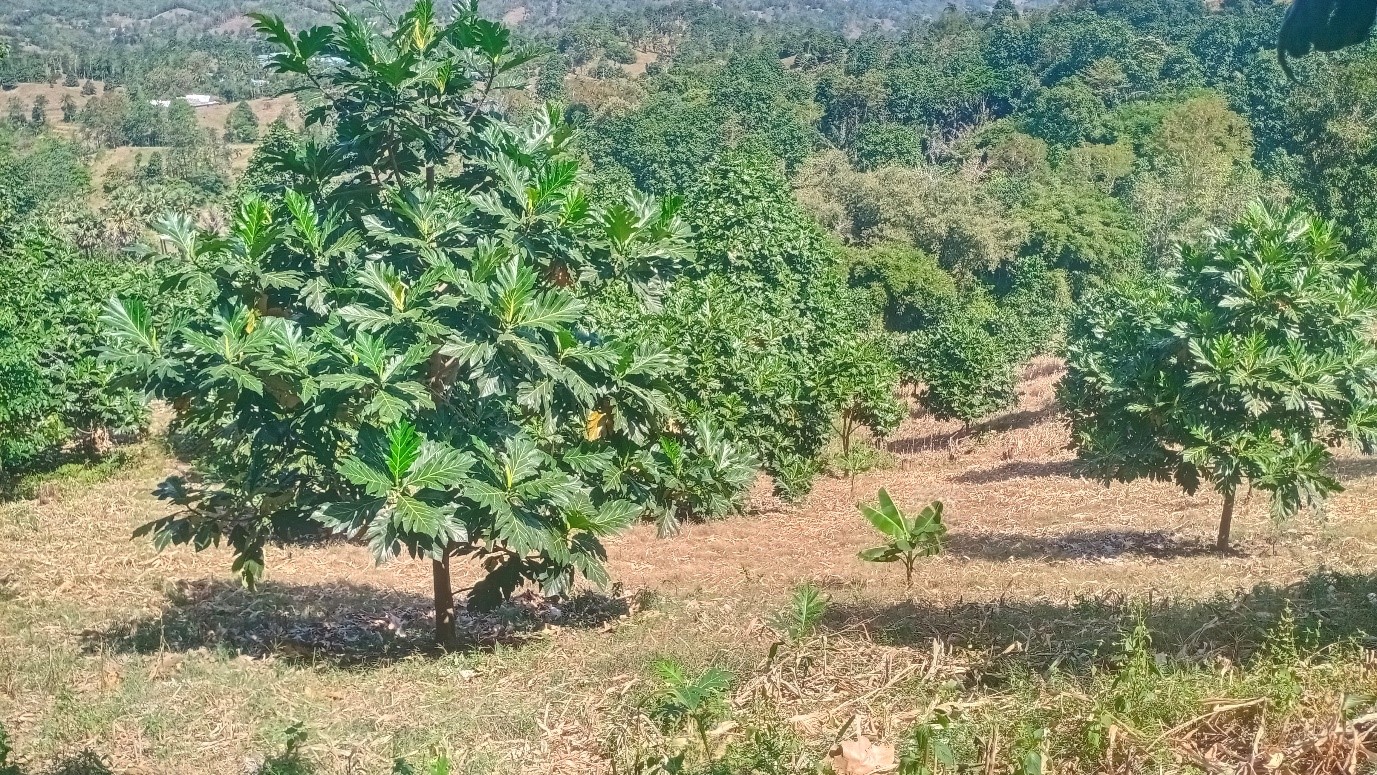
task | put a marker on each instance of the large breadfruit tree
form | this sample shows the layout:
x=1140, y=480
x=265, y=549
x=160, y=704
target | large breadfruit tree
x=1249, y=364
x=399, y=346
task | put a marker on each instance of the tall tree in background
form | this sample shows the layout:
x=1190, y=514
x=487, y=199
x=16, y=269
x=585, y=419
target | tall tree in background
x=269, y=172
x=549, y=83
x=179, y=127
x=241, y=125
x=1248, y=366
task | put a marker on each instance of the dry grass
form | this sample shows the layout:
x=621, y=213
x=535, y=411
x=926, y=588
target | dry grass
x=643, y=60
x=162, y=664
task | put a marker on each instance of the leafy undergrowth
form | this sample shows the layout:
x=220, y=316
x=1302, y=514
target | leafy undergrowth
x=1291, y=701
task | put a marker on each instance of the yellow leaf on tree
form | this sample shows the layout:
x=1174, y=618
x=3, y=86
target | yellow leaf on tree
x=598, y=421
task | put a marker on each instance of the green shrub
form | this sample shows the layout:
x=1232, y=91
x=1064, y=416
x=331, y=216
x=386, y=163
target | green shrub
x=861, y=379
x=968, y=371
x=910, y=288
x=884, y=144
x=7, y=765
x=775, y=344
x=241, y=126
x=606, y=70
x=54, y=389
x=620, y=53
x=1032, y=314
x=695, y=475
x=753, y=367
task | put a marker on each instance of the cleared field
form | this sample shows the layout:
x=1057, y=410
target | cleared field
x=212, y=117
x=160, y=663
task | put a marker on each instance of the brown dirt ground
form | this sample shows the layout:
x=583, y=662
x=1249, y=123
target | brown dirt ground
x=1020, y=519
x=643, y=58
x=75, y=594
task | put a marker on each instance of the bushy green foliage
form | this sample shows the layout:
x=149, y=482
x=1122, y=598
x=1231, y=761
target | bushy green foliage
x=1081, y=230
x=774, y=342
x=908, y=286
x=120, y=118
x=401, y=349
x=270, y=171
x=861, y=379
x=968, y=370
x=605, y=70
x=663, y=145
x=883, y=145
x=54, y=391
x=750, y=230
x=1068, y=114
x=1248, y=365
x=695, y=474
x=1030, y=316
x=241, y=126
x=967, y=358
x=752, y=365
x=7, y=767
x=549, y=83
x=40, y=172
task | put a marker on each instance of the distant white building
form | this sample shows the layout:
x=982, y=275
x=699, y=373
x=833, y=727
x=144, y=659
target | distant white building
x=194, y=100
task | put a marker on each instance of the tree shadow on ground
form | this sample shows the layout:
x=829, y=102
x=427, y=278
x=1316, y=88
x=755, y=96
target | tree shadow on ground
x=1085, y=633
x=941, y=441
x=84, y=763
x=1083, y=545
x=347, y=625
x=1019, y=469
x=1355, y=468
x=89, y=763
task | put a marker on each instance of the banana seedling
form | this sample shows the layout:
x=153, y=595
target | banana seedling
x=906, y=539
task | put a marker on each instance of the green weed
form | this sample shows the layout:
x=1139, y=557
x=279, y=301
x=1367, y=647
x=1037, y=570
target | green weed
x=806, y=608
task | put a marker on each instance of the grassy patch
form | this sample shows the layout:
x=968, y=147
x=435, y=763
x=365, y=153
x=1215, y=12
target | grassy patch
x=72, y=473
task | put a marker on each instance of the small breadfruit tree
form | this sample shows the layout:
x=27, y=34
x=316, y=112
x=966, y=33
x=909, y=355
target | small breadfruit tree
x=399, y=347
x=1249, y=364
x=968, y=370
